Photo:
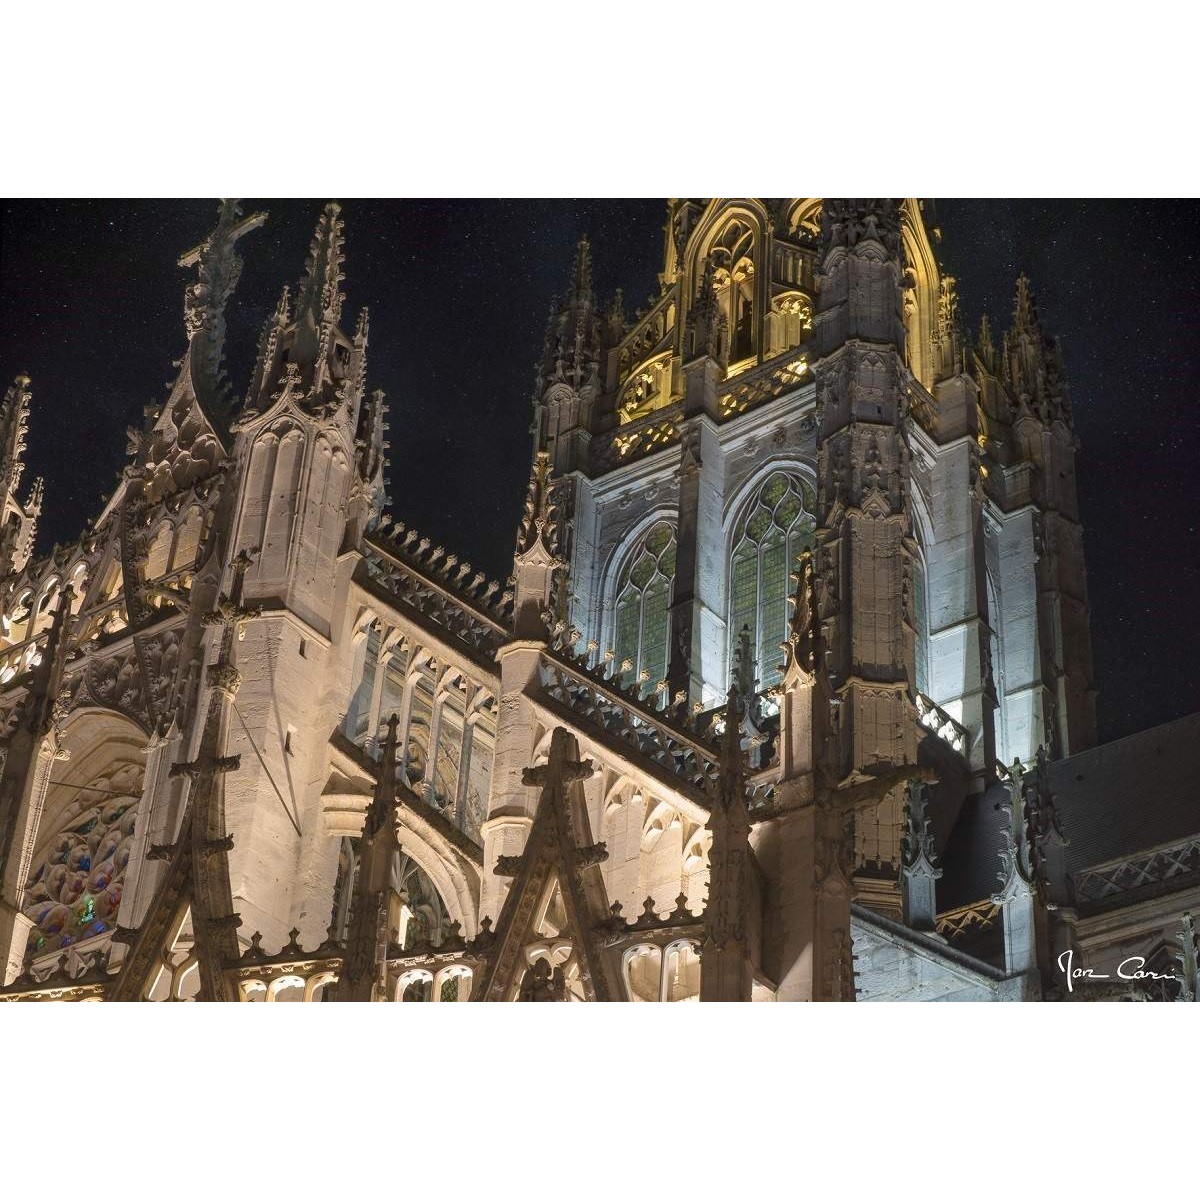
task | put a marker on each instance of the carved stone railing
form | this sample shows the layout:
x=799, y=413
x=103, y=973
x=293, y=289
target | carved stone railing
x=647, y=337
x=20, y=658
x=441, y=569
x=1162, y=867
x=938, y=720
x=441, y=973
x=649, y=927
x=969, y=919
x=626, y=721
x=260, y=976
x=628, y=443
x=752, y=388
x=451, y=611
x=74, y=976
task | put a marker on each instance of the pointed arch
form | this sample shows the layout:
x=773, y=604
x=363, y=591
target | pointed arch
x=771, y=520
x=638, y=600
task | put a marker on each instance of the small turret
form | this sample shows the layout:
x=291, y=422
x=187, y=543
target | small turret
x=573, y=341
x=1031, y=363
x=305, y=348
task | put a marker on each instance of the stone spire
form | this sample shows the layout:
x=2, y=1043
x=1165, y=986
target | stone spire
x=218, y=270
x=270, y=347
x=536, y=558
x=18, y=519
x=368, y=930
x=573, y=341
x=727, y=972
x=319, y=298
x=311, y=362
x=919, y=871
x=985, y=347
x=1031, y=363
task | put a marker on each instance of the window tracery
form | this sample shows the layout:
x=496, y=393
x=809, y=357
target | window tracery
x=767, y=543
x=732, y=257
x=447, y=723
x=789, y=323
x=643, y=598
x=74, y=890
x=646, y=390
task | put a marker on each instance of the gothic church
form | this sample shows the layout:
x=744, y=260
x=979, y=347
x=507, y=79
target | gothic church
x=788, y=695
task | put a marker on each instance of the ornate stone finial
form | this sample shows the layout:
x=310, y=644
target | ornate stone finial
x=1024, y=310
x=986, y=347
x=542, y=982
x=846, y=223
x=948, y=334
x=40, y=707
x=733, y=761
x=706, y=322
x=381, y=812
x=1188, y=957
x=320, y=297
x=368, y=918
x=800, y=649
x=14, y=426
x=581, y=272
x=726, y=971
x=539, y=521
x=1046, y=839
x=18, y=521
x=918, y=868
x=743, y=663
x=218, y=270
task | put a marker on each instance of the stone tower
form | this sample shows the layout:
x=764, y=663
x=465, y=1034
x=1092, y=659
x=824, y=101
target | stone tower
x=791, y=549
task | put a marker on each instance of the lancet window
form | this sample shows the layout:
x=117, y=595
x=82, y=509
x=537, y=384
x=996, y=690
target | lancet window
x=447, y=723
x=767, y=542
x=642, y=603
x=733, y=281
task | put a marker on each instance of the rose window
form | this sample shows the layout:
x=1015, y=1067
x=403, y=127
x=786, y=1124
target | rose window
x=74, y=891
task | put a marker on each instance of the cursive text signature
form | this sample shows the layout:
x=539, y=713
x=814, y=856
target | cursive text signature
x=1129, y=968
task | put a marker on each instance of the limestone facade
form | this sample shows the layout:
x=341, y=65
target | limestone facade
x=800, y=569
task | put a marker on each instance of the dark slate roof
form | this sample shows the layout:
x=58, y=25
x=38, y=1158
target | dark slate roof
x=970, y=860
x=1133, y=794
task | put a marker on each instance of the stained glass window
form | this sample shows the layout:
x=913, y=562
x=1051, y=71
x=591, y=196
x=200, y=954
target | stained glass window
x=74, y=890
x=643, y=601
x=777, y=526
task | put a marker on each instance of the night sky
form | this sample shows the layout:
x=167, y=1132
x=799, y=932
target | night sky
x=91, y=308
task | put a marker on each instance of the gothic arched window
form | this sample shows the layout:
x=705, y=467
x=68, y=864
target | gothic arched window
x=767, y=543
x=643, y=598
x=733, y=282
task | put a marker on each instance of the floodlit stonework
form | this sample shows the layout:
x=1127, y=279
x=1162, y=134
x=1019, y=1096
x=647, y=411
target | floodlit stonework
x=788, y=696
